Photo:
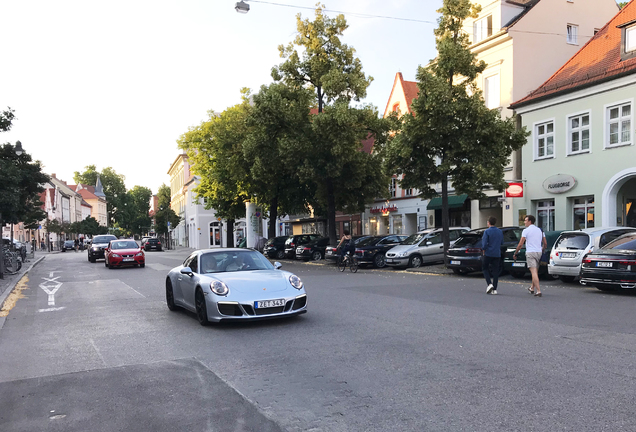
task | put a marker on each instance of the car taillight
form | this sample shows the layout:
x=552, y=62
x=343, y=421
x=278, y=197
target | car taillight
x=628, y=262
x=307, y=249
x=292, y=244
x=587, y=260
x=473, y=250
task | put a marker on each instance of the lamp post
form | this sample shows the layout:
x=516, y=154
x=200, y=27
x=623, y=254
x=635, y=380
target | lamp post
x=18, y=151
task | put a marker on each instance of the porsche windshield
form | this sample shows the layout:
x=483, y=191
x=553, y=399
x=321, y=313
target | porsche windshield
x=220, y=262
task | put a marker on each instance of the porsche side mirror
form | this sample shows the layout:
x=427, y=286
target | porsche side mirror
x=186, y=271
x=277, y=265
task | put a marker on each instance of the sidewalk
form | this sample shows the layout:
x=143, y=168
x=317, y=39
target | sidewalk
x=10, y=281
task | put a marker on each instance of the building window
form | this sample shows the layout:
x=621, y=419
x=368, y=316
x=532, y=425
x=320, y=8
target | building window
x=393, y=187
x=545, y=215
x=579, y=134
x=396, y=108
x=544, y=140
x=573, y=32
x=482, y=29
x=491, y=91
x=618, y=124
x=489, y=202
x=583, y=213
x=408, y=192
x=629, y=41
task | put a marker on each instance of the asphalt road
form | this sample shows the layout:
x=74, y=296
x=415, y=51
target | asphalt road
x=377, y=351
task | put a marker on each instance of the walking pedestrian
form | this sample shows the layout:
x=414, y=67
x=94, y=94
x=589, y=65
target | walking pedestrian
x=535, y=242
x=491, y=243
x=76, y=244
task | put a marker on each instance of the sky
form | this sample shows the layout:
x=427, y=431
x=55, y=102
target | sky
x=115, y=84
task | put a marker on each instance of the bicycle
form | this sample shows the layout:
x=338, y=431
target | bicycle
x=12, y=262
x=348, y=261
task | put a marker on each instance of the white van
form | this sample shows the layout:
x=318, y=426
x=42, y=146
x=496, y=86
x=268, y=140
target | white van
x=424, y=247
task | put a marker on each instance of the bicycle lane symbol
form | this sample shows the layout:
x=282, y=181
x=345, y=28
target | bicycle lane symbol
x=50, y=287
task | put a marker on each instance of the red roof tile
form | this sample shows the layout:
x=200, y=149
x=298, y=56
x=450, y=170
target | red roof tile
x=599, y=60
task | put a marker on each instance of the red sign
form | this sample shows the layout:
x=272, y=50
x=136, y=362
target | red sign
x=515, y=190
x=391, y=208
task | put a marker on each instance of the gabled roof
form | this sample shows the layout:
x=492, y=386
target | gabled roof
x=598, y=61
x=87, y=195
x=408, y=87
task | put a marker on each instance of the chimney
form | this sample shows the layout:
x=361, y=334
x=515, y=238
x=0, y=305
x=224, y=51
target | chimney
x=53, y=175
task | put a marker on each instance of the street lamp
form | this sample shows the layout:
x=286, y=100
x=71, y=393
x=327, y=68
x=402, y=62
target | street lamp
x=18, y=151
x=242, y=7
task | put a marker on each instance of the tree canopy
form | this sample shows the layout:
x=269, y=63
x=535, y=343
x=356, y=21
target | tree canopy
x=21, y=182
x=452, y=136
x=164, y=212
x=114, y=188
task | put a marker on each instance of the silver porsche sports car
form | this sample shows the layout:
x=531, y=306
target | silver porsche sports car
x=234, y=284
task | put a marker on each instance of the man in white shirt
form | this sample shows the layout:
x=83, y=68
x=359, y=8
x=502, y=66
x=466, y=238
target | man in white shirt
x=535, y=242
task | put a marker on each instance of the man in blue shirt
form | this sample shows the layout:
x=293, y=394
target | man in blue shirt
x=491, y=246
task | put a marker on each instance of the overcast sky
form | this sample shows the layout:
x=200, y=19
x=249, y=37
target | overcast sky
x=116, y=83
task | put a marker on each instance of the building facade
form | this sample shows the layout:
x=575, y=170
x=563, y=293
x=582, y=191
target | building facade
x=579, y=164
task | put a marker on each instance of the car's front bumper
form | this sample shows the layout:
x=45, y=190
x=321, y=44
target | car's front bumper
x=397, y=262
x=96, y=253
x=119, y=262
x=241, y=311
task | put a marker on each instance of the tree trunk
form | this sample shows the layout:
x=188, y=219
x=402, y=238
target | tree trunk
x=319, y=90
x=273, y=217
x=331, y=213
x=229, y=238
x=445, y=215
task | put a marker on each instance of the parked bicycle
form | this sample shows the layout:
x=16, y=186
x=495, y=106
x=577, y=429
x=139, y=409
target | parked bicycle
x=348, y=261
x=12, y=262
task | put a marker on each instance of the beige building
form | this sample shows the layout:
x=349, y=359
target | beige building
x=524, y=42
x=179, y=169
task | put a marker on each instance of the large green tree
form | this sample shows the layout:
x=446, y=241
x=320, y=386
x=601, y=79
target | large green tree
x=279, y=123
x=452, y=137
x=139, y=201
x=215, y=152
x=329, y=67
x=21, y=181
x=346, y=177
x=114, y=189
x=325, y=64
x=164, y=212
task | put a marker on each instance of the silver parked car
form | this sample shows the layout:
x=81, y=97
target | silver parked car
x=571, y=246
x=234, y=284
x=424, y=247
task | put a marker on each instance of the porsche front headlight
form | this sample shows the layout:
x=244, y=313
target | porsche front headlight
x=295, y=282
x=219, y=288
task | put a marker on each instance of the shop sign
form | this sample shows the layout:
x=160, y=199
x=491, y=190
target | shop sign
x=391, y=208
x=514, y=190
x=559, y=183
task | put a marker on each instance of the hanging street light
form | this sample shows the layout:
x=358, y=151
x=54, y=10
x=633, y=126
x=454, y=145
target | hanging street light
x=242, y=7
x=18, y=148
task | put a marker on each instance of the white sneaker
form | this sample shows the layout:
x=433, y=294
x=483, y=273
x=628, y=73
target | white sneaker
x=494, y=292
x=490, y=289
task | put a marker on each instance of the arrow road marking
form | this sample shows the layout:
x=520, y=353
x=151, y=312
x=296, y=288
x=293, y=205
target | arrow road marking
x=51, y=289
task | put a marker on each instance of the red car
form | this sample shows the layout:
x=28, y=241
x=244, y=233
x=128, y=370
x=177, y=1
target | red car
x=121, y=253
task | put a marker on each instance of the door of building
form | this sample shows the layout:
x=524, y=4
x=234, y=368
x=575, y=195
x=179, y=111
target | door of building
x=215, y=234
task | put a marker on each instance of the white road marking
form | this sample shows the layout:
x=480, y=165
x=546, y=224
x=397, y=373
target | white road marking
x=51, y=290
x=133, y=289
x=51, y=309
x=55, y=271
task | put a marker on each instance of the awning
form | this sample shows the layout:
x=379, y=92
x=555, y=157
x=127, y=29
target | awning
x=454, y=201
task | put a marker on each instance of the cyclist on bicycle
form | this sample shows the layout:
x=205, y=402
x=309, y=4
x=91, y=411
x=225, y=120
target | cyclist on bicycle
x=346, y=244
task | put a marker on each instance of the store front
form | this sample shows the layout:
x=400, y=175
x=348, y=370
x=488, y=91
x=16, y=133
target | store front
x=459, y=211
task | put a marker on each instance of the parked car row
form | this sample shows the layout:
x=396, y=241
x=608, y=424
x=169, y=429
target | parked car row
x=600, y=257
